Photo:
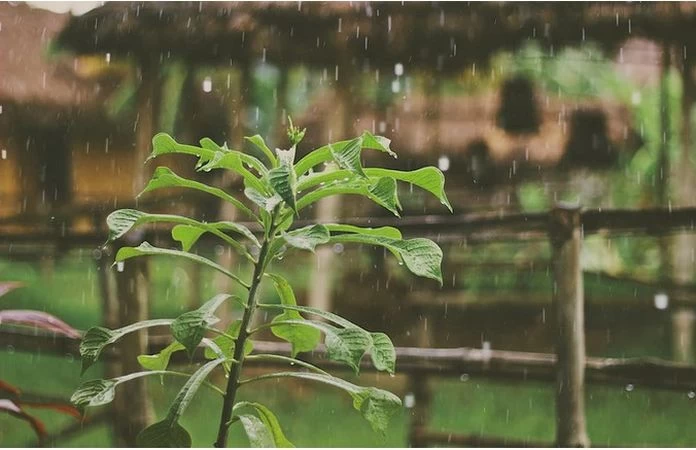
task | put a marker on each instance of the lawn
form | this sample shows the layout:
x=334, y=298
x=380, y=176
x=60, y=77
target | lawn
x=462, y=405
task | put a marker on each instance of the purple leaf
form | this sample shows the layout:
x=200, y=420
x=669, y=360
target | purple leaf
x=15, y=410
x=7, y=286
x=38, y=319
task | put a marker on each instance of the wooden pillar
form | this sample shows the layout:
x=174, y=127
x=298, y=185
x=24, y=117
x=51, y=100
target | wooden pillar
x=683, y=320
x=328, y=208
x=566, y=241
x=281, y=104
x=683, y=190
x=239, y=102
x=418, y=401
x=133, y=406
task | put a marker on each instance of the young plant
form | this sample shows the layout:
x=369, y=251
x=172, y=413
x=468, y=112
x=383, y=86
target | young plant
x=276, y=191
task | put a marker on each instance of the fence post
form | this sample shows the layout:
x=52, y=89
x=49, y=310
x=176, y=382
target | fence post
x=565, y=233
x=418, y=401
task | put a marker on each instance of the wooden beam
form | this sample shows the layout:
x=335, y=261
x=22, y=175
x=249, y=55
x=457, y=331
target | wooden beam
x=440, y=362
x=568, y=301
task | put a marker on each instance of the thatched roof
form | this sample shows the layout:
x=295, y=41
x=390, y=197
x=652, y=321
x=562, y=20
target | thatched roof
x=33, y=83
x=442, y=36
x=465, y=125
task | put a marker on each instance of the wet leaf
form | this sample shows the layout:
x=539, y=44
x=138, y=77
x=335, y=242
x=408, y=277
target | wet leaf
x=190, y=327
x=383, y=353
x=97, y=338
x=145, y=249
x=422, y=256
x=303, y=338
x=307, y=238
x=271, y=423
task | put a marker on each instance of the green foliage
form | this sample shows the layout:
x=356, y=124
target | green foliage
x=274, y=194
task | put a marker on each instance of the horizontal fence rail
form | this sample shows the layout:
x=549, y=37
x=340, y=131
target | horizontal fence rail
x=493, y=226
x=445, y=362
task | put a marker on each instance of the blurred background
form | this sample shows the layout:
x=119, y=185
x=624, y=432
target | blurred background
x=521, y=105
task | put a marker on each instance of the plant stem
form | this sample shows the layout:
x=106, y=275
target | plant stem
x=233, y=380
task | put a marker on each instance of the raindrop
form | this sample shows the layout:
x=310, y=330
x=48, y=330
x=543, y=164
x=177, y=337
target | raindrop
x=443, y=163
x=396, y=86
x=661, y=300
x=107, y=57
x=382, y=126
x=629, y=387
x=338, y=248
x=409, y=400
x=691, y=395
x=219, y=250
x=207, y=84
x=70, y=357
x=10, y=349
x=398, y=69
x=96, y=254
x=636, y=98
x=3, y=154
x=119, y=266
x=464, y=377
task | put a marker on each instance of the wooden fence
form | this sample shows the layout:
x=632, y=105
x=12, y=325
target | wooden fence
x=565, y=228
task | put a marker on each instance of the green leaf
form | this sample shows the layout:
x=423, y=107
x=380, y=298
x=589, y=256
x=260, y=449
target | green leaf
x=101, y=392
x=348, y=156
x=97, y=338
x=271, y=421
x=227, y=345
x=123, y=220
x=347, y=345
x=307, y=238
x=190, y=327
x=377, y=143
x=246, y=159
x=168, y=432
x=188, y=235
x=93, y=393
x=160, y=361
x=188, y=391
x=323, y=154
x=233, y=161
x=145, y=249
x=381, y=191
x=164, y=434
x=259, y=435
x=283, y=179
x=383, y=353
x=302, y=338
x=163, y=177
x=261, y=200
x=388, y=232
x=430, y=179
x=422, y=256
x=163, y=144
x=261, y=145
x=375, y=405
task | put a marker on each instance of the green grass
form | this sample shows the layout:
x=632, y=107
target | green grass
x=315, y=416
